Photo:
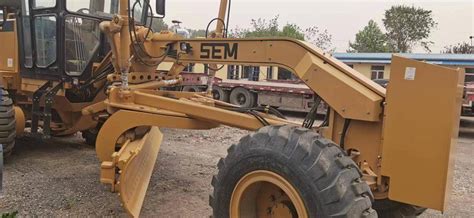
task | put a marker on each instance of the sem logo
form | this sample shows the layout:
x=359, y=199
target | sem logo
x=219, y=50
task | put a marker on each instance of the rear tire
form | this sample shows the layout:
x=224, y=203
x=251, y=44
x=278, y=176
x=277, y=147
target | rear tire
x=243, y=97
x=192, y=89
x=392, y=209
x=328, y=182
x=220, y=94
x=7, y=123
x=90, y=135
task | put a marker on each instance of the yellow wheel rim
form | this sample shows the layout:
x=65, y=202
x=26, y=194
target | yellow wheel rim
x=266, y=194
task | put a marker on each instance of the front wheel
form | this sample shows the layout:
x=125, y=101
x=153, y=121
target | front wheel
x=286, y=171
x=90, y=135
x=7, y=123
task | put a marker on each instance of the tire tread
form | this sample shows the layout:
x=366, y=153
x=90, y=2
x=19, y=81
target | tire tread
x=336, y=177
x=7, y=123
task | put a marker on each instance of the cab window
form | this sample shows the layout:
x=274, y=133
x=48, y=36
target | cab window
x=38, y=4
x=45, y=36
x=101, y=8
x=138, y=7
x=105, y=8
x=82, y=41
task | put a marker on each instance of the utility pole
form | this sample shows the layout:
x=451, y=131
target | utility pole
x=472, y=47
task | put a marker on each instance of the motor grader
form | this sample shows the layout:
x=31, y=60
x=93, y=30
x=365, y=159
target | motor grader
x=91, y=66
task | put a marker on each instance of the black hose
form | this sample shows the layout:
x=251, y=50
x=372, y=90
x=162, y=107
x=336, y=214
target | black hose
x=326, y=118
x=254, y=111
x=210, y=22
x=347, y=122
x=207, y=34
x=259, y=117
x=312, y=114
x=133, y=30
x=271, y=110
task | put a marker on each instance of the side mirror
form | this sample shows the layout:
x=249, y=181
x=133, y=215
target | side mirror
x=160, y=8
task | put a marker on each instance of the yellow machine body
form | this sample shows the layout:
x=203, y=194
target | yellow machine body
x=418, y=142
x=136, y=161
x=390, y=136
x=9, y=66
x=402, y=138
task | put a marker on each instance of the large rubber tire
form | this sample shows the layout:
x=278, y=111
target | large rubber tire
x=243, y=97
x=7, y=123
x=328, y=181
x=90, y=135
x=392, y=209
x=220, y=94
x=192, y=89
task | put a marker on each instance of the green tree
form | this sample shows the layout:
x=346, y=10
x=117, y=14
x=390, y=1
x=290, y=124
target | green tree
x=460, y=48
x=407, y=27
x=157, y=24
x=292, y=31
x=261, y=28
x=369, y=39
x=320, y=38
x=197, y=33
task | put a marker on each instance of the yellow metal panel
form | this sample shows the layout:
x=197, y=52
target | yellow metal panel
x=363, y=136
x=124, y=120
x=138, y=161
x=347, y=96
x=8, y=56
x=9, y=69
x=420, y=131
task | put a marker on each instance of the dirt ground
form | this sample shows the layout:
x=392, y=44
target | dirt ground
x=60, y=177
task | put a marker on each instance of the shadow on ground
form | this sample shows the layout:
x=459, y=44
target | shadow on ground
x=27, y=146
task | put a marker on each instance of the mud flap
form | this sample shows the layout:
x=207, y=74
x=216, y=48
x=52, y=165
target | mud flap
x=130, y=171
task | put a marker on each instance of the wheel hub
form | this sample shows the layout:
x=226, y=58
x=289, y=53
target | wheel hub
x=241, y=99
x=266, y=194
x=216, y=95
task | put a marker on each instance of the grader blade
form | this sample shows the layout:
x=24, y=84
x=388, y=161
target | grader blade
x=135, y=162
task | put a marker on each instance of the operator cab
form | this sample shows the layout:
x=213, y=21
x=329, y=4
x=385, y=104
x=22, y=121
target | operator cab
x=61, y=39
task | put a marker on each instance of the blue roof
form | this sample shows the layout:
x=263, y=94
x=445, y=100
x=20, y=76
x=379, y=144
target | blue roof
x=385, y=58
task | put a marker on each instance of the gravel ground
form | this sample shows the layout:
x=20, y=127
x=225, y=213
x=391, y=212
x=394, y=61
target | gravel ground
x=60, y=177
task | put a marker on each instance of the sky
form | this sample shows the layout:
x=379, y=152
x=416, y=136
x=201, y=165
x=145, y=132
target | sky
x=342, y=18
